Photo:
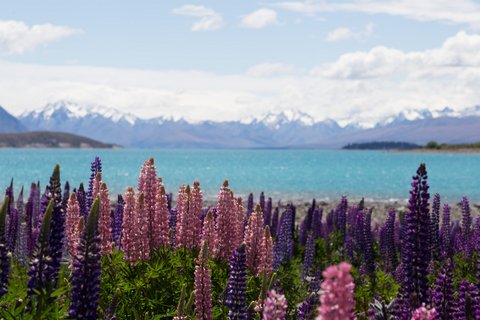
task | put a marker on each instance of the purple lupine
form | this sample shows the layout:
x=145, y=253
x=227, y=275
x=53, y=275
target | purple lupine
x=307, y=307
x=95, y=167
x=445, y=240
x=82, y=200
x=39, y=264
x=284, y=241
x=22, y=236
x=308, y=259
x=369, y=252
x=169, y=201
x=31, y=212
x=303, y=231
x=236, y=300
x=387, y=245
x=274, y=226
x=12, y=229
x=86, y=271
x=268, y=212
x=4, y=256
x=57, y=235
x=443, y=292
x=415, y=253
x=261, y=201
x=317, y=223
x=172, y=222
x=66, y=196
x=275, y=306
x=249, y=206
x=341, y=216
x=37, y=221
x=434, y=227
x=466, y=226
x=467, y=303
x=117, y=221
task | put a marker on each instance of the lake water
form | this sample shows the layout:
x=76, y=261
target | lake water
x=282, y=174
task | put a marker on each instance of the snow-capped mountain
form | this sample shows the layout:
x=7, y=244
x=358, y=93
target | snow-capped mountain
x=10, y=124
x=287, y=129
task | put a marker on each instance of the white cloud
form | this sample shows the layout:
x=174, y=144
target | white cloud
x=344, y=33
x=269, y=69
x=260, y=19
x=16, y=37
x=459, y=11
x=209, y=19
x=359, y=86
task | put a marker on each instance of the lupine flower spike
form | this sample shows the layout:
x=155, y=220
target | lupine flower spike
x=4, y=257
x=203, y=291
x=275, y=307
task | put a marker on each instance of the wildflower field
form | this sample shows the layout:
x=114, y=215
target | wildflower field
x=67, y=253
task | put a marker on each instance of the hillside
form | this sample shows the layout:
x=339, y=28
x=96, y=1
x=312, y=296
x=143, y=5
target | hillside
x=45, y=139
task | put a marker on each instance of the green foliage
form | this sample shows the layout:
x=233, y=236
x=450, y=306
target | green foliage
x=432, y=145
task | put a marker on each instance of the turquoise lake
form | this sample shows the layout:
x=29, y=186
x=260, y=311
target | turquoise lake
x=282, y=174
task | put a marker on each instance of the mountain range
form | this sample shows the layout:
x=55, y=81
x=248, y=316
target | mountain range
x=290, y=129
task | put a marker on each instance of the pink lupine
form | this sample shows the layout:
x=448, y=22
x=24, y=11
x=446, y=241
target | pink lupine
x=203, y=286
x=253, y=239
x=208, y=232
x=186, y=220
x=131, y=242
x=238, y=223
x=336, y=299
x=147, y=184
x=105, y=220
x=143, y=227
x=275, y=306
x=72, y=224
x=223, y=225
x=423, y=313
x=195, y=210
x=266, y=253
x=160, y=227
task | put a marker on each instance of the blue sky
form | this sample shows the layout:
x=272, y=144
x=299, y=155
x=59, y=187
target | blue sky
x=224, y=60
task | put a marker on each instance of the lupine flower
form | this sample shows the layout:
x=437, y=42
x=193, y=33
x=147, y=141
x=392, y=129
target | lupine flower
x=266, y=253
x=95, y=167
x=336, y=299
x=308, y=259
x=391, y=252
x=65, y=196
x=268, y=212
x=467, y=304
x=237, y=222
x=422, y=313
x=117, y=221
x=275, y=306
x=172, y=222
x=284, y=243
x=160, y=232
x=443, y=292
x=85, y=290
x=147, y=184
x=445, y=232
x=195, y=211
x=203, y=286
x=4, y=257
x=72, y=224
x=22, y=236
x=253, y=239
x=31, y=211
x=223, y=225
x=369, y=252
x=188, y=218
x=142, y=228
x=341, y=214
x=131, y=242
x=12, y=229
x=274, y=224
x=57, y=234
x=208, y=232
x=82, y=200
x=39, y=278
x=261, y=201
x=105, y=220
x=415, y=253
x=466, y=226
x=435, y=227
x=307, y=307
x=236, y=300
x=249, y=206
x=317, y=223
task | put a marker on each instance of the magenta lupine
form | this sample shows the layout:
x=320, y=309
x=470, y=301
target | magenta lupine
x=143, y=226
x=238, y=223
x=105, y=220
x=223, y=225
x=131, y=242
x=160, y=235
x=336, y=299
x=422, y=313
x=72, y=224
x=275, y=306
x=203, y=286
x=208, y=232
x=147, y=184
x=188, y=219
x=195, y=211
x=253, y=238
x=266, y=253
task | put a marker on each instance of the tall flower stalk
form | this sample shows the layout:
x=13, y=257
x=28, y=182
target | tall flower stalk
x=4, y=256
x=253, y=239
x=203, y=286
x=236, y=300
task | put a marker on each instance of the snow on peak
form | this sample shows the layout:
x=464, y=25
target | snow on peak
x=277, y=119
x=73, y=110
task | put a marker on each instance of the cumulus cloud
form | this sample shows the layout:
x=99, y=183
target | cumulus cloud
x=259, y=19
x=459, y=11
x=363, y=86
x=344, y=33
x=269, y=69
x=16, y=37
x=209, y=19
